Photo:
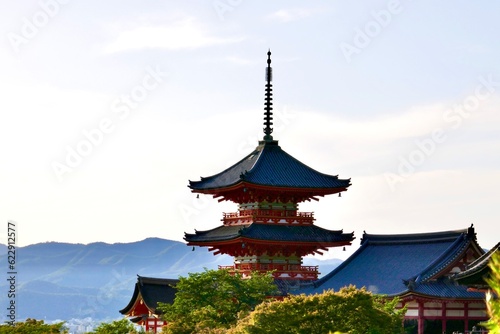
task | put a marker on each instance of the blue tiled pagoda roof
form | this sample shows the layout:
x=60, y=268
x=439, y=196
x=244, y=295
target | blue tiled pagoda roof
x=398, y=264
x=269, y=165
x=267, y=232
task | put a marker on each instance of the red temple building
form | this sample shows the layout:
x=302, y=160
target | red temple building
x=142, y=307
x=268, y=232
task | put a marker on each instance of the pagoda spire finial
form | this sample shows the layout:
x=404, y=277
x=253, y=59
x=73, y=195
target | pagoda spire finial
x=268, y=115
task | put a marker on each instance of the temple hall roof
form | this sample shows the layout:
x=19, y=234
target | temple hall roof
x=398, y=264
x=476, y=271
x=444, y=288
x=267, y=232
x=269, y=165
x=151, y=291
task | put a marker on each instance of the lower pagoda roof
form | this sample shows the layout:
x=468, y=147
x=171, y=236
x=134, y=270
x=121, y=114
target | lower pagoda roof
x=397, y=265
x=268, y=232
x=269, y=166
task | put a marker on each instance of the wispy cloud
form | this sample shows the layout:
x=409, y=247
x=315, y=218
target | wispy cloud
x=291, y=14
x=475, y=48
x=184, y=34
x=411, y=123
x=242, y=61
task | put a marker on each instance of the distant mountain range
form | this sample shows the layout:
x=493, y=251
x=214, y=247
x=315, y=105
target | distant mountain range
x=66, y=281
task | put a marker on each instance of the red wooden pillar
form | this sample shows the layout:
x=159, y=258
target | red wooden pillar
x=443, y=316
x=152, y=325
x=420, y=317
x=466, y=316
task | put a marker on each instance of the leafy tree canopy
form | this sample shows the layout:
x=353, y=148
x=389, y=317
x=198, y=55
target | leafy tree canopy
x=123, y=326
x=33, y=326
x=493, y=303
x=212, y=301
x=349, y=310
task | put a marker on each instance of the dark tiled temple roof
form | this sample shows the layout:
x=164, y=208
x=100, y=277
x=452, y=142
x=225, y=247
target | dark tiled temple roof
x=283, y=233
x=445, y=288
x=152, y=291
x=269, y=165
x=396, y=264
x=476, y=271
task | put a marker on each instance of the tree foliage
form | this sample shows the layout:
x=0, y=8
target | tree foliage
x=493, y=303
x=349, y=310
x=212, y=301
x=122, y=326
x=33, y=326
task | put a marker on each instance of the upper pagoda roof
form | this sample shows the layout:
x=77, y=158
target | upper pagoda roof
x=268, y=232
x=150, y=291
x=269, y=168
x=405, y=263
x=269, y=165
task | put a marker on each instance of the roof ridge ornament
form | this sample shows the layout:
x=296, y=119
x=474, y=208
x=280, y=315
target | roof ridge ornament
x=268, y=98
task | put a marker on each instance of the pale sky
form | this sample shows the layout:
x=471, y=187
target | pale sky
x=109, y=108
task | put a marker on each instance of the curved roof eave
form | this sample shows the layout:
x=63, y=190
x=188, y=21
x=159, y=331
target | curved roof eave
x=132, y=301
x=238, y=168
x=448, y=256
x=269, y=165
x=311, y=234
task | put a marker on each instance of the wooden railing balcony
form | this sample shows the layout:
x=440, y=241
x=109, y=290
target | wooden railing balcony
x=279, y=270
x=249, y=216
x=226, y=267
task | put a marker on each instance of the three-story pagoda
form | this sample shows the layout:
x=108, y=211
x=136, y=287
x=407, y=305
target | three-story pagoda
x=268, y=232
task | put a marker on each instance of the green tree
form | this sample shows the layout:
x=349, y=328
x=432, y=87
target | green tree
x=493, y=303
x=122, y=326
x=33, y=326
x=212, y=301
x=349, y=310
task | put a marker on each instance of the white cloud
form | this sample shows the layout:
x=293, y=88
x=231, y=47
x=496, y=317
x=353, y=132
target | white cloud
x=292, y=14
x=184, y=34
x=241, y=61
x=415, y=122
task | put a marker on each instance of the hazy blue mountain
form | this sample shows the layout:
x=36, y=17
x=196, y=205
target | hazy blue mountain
x=65, y=281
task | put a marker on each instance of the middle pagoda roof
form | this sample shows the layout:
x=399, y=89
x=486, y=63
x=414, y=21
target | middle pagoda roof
x=310, y=238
